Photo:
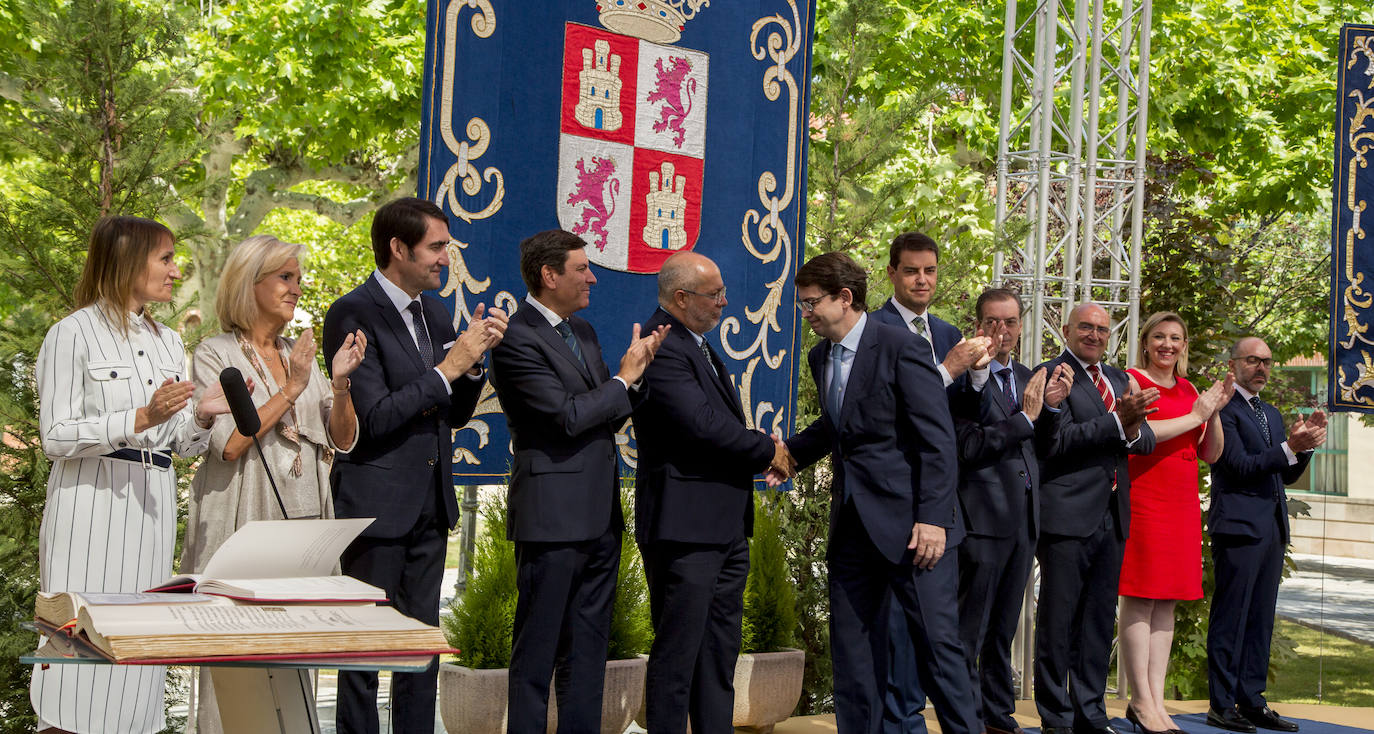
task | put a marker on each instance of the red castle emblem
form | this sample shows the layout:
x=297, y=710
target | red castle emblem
x=631, y=147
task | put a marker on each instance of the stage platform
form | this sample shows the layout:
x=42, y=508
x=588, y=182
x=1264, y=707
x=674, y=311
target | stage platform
x=1191, y=715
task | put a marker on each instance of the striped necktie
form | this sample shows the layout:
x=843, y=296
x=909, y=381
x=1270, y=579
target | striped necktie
x=1102, y=389
x=564, y=330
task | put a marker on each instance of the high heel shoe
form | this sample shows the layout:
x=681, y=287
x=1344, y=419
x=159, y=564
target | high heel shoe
x=1132, y=717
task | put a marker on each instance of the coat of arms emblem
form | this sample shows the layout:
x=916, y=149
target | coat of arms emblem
x=632, y=140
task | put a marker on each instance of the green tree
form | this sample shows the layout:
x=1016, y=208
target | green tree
x=296, y=122
x=93, y=102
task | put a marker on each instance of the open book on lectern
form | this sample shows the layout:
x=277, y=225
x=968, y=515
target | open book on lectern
x=281, y=561
x=263, y=563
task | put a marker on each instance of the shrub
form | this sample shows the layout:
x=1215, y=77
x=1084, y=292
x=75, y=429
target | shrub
x=770, y=601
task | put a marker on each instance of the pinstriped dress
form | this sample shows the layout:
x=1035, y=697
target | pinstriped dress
x=108, y=524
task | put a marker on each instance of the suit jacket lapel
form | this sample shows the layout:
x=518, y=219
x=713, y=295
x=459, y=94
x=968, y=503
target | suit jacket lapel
x=536, y=321
x=1081, y=379
x=860, y=370
x=596, y=368
x=1243, y=406
x=392, y=318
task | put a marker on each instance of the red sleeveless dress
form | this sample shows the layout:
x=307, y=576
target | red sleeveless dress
x=1164, y=551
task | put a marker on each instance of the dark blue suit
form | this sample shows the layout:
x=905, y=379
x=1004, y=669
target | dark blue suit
x=1248, y=525
x=694, y=509
x=400, y=473
x=999, y=485
x=1085, y=515
x=905, y=697
x=564, y=515
x=894, y=464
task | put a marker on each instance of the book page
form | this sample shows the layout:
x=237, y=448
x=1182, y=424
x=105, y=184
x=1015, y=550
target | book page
x=295, y=588
x=283, y=548
x=147, y=597
x=201, y=620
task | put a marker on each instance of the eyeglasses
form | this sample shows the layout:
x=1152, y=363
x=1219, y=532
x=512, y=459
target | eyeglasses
x=718, y=296
x=1011, y=323
x=1253, y=361
x=1086, y=328
x=807, y=305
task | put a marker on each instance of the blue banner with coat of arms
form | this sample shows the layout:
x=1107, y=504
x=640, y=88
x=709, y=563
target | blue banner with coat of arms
x=646, y=127
x=1350, y=381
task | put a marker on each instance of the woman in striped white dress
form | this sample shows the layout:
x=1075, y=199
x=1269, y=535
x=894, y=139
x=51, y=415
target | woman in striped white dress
x=115, y=403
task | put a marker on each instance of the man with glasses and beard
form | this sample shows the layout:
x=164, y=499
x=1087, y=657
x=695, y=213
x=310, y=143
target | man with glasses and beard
x=1248, y=525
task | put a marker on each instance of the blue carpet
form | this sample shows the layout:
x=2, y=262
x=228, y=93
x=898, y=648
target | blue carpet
x=1197, y=724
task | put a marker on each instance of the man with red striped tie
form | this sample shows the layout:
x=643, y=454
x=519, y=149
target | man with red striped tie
x=1084, y=520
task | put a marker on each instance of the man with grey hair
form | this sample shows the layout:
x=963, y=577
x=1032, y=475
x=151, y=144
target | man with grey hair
x=1248, y=526
x=694, y=505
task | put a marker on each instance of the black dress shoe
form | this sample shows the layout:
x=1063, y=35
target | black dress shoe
x=1108, y=729
x=1014, y=729
x=1056, y=730
x=1265, y=718
x=1229, y=719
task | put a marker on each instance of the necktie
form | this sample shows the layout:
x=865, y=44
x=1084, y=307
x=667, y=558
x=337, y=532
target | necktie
x=1102, y=389
x=1005, y=375
x=836, y=388
x=920, y=325
x=422, y=341
x=706, y=352
x=564, y=330
x=1107, y=401
x=1263, y=421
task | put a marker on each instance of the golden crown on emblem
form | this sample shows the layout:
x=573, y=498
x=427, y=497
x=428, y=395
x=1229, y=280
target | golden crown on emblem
x=659, y=21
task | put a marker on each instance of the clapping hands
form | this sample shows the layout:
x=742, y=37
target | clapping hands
x=1309, y=433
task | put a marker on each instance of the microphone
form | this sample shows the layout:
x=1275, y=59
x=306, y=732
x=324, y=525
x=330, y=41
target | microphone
x=246, y=420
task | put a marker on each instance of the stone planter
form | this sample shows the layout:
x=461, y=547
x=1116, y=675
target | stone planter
x=474, y=701
x=767, y=688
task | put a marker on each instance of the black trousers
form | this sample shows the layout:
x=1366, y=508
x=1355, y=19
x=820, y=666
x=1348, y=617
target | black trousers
x=1241, y=623
x=992, y=584
x=696, y=601
x=411, y=570
x=562, y=623
x=1074, y=624
x=863, y=583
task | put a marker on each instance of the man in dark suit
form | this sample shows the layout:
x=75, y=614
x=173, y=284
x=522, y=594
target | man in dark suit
x=999, y=485
x=564, y=408
x=886, y=426
x=694, y=504
x=1085, y=510
x=419, y=383
x=1248, y=525
x=913, y=270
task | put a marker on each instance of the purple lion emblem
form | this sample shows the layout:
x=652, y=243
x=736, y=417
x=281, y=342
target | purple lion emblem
x=597, y=197
x=675, y=89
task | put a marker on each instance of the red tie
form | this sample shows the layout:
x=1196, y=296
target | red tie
x=1102, y=389
x=1107, y=399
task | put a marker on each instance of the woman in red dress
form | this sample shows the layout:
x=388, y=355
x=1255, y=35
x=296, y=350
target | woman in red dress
x=1163, y=560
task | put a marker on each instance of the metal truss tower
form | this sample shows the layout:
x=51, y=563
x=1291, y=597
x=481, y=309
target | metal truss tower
x=1071, y=162
x=1071, y=179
